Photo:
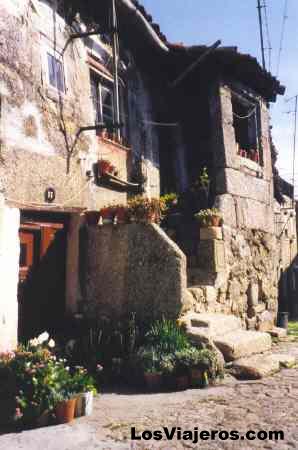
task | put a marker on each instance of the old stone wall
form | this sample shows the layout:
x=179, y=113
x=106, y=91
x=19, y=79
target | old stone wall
x=237, y=275
x=133, y=268
x=238, y=269
x=39, y=142
x=244, y=188
x=9, y=272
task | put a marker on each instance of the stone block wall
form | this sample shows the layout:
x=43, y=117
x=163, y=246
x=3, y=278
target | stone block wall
x=9, y=273
x=246, y=282
x=133, y=268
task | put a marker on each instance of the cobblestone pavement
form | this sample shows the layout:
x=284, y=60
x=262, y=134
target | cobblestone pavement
x=268, y=404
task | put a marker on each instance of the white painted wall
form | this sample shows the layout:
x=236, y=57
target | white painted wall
x=9, y=275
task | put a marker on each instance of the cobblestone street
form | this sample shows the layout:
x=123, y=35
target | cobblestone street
x=268, y=404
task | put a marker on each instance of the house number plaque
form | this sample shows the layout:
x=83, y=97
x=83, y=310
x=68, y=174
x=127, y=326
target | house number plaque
x=50, y=195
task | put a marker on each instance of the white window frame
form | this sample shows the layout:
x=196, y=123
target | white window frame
x=57, y=54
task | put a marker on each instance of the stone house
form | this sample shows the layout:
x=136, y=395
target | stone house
x=56, y=83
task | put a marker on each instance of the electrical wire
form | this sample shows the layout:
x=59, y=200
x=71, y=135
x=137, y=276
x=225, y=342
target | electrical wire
x=268, y=35
x=160, y=124
x=283, y=28
x=248, y=115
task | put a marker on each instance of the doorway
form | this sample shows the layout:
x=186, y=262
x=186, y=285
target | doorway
x=41, y=293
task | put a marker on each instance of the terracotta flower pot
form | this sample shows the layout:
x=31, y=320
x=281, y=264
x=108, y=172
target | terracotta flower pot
x=153, y=381
x=107, y=215
x=182, y=382
x=215, y=221
x=64, y=411
x=256, y=157
x=121, y=215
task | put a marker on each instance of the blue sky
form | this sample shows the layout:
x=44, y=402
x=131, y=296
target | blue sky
x=235, y=22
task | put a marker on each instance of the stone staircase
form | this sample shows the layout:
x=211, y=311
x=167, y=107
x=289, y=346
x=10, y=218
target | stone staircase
x=246, y=352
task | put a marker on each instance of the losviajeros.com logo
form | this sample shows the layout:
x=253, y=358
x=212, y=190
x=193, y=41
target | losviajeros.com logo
x=195, y=435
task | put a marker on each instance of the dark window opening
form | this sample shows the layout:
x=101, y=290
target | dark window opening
x=56, y=74
x=103, y=99
x=102, y=94
x=246, y=122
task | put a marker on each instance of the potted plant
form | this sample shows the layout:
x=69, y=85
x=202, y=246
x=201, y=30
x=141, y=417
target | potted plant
x=167, y=367
x=144, y=210
x=65, y=406
x=104, y=167
x=84, y=387
x=182, y=369
x=255, y=156
x=150, y=363
x=204, y=178
x=209, y=217
x=107, y=214
x=209, y=365
x=191, y=358
x=121, y=214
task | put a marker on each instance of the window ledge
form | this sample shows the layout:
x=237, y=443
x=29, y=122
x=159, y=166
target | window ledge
x=113, y=142
x=54, y=94
x=251, y=167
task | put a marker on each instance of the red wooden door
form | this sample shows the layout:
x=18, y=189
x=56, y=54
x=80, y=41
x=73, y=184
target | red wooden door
x=26, y=253
x=41, y=277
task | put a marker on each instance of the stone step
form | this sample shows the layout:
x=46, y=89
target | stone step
x=259, y=366
x=211, y=325
x=242, y=343
x=279, y=333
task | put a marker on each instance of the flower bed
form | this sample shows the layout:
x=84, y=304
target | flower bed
x=138, y=210
x=169, y=360
x=35, y=383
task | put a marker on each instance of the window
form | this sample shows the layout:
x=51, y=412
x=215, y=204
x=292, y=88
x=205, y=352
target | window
x=56, y=73
x=102, y=93
x=246, y=122
x=103, y=99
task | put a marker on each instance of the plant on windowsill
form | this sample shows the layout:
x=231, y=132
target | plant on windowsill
x=104, y=167
x=209, y=218
x=255, y=156
x=243, y=153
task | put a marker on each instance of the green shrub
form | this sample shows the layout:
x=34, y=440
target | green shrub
x=166, y=337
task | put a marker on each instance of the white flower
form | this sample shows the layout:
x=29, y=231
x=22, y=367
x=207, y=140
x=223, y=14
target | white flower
x=43, y=337
x=34, y=342
x=51, y=343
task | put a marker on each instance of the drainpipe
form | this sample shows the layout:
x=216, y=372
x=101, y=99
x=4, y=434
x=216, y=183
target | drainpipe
x=116, y=75
x=139, y=18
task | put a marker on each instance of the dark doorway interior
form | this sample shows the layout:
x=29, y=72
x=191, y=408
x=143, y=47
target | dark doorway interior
x=42, y=273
